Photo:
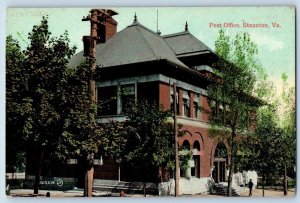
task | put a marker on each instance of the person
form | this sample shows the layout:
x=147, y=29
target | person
x=122, y=193
x=250, y=185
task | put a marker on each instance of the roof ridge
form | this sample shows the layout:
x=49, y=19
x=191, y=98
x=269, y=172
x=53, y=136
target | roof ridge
x=137, y=23
x=176, y=34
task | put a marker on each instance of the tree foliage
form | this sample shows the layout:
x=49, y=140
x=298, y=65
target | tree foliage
x=16, y=105
x=50, y=111
x=235, y=75
x=276, y=135
x=149, y=136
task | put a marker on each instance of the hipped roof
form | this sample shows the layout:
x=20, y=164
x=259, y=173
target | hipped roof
x=184, y=43
x=137, y=43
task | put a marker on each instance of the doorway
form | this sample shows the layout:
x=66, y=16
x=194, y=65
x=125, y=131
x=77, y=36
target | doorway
x=220, y=163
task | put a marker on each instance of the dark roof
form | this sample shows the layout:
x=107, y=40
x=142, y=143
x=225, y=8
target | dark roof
x=184, y=43
x=137, y=43
x=134, y=44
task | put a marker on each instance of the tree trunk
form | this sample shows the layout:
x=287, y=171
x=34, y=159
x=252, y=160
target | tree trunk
x=88, y=185
x=119, y=172
x=89, y=175
x=144, y=187
x=230, y=178
x=263, y=185
x=38, y=175
x=285, y=189
x=229, y=189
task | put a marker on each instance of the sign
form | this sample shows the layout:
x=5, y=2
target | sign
x=59, y=182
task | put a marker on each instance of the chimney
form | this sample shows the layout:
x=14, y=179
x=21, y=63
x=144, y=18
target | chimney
x=108, y=28
x=103, y=27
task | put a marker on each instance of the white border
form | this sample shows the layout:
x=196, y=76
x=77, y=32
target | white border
x=110, y=3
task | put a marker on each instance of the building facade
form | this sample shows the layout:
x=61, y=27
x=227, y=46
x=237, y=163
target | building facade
x=140, y=64
x=145, y=65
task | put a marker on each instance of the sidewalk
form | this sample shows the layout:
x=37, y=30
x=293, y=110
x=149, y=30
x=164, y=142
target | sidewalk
x=269, y=193
x=79, y=193
x=68, y=193
x=258, y=193
x=42, y=193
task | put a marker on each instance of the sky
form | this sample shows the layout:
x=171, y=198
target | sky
x=276, y=45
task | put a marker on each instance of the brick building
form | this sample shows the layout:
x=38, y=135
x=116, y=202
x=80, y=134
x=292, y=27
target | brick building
x=145, y=65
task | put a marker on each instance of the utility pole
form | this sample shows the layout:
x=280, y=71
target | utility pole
x=97, y=17
x=176, y=143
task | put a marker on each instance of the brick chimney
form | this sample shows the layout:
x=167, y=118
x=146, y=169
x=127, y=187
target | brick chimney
x=108, y=27
x=103, y=27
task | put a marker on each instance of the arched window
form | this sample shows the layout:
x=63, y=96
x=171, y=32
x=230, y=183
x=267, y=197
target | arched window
x=196, y=145
x=221, y=151
x=186, y=145
x=195, y=169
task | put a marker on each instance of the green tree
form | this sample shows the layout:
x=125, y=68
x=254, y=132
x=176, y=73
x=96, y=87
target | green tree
x=275, y=137
x=50, y=112
x=41, y=70
x=16, y=105
x=269, y=138
x=287, y=122
x=82, y=137
x=150, y=139
x=235, y=76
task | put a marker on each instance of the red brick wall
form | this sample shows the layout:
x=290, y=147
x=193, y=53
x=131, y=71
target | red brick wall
x=206, y=109
x=180, y=98
x=206, y=147
x=111, y=28
x=109, y=170
x=192, y=114
x=164, y=95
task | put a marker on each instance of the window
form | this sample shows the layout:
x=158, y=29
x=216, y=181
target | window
x=196, y=106
x=218, y=112
x=115, y=100
x=184, y=159
x=186, y=104
x=172, y=101
x=127, y=97
x=213, y=107
x=195, y=170
x=107, y=100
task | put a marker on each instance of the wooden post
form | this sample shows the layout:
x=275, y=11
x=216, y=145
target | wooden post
x=96, y=18
x=177, y=171
x=94, y=34
x=89, y=177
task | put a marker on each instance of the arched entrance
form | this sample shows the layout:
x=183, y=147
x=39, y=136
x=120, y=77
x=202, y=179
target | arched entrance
x=220, y=162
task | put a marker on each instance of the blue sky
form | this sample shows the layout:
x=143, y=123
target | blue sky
x=276, y=45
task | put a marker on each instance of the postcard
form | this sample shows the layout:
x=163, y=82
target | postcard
x=151, y=102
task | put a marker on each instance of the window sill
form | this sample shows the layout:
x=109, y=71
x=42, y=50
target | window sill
x=109, y=118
